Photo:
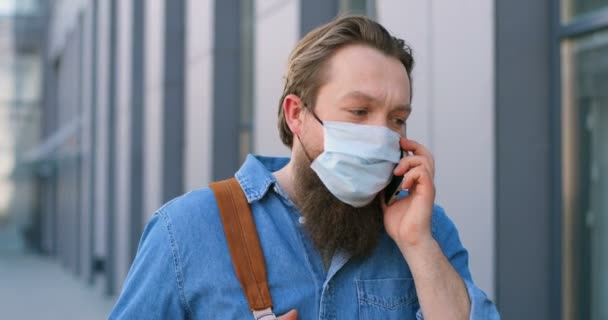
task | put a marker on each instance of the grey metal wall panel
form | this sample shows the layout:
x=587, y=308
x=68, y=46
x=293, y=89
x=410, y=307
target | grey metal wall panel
x=61, y=221
x=313, y=13
x=111, y=145
x=523, y=141
x=102, y=152
x=226, y=82
x=137, y=120
x=53, y=209
x=68, y=88
x=47, y=93
x=72, y=193
x=153, y=109
x=85, y=144
x=555, y=119
x=49, y=115
x=93, y=137
x=122, y=186
x=173, y=106
x=69, y=194
x=80, y=196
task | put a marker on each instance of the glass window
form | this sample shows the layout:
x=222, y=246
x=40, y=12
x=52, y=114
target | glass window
x=362, y=7
x=20, y=7
x=585, y=176
x=574, y=8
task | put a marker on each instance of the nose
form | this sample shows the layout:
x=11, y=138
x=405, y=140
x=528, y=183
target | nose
x=379, y=119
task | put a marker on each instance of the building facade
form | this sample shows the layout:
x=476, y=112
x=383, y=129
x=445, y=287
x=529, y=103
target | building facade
x=147, y=99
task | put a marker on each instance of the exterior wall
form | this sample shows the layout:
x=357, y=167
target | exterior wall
x=101, y=116
x=453, y=103
x=123, y=143
x=86, y=144
x=198, y=119
x=62, y=192
x=454, y=111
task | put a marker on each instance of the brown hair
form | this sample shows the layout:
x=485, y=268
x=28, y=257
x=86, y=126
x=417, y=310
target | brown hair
x=305, y=65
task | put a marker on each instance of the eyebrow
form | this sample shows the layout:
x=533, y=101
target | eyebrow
x=366, y=97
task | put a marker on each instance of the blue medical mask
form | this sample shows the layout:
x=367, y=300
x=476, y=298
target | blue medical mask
x=357, y=161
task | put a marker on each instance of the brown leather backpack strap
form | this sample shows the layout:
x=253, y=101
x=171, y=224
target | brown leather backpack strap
x=243, y=243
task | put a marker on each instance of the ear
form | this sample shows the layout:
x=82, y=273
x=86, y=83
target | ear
x=293, y=108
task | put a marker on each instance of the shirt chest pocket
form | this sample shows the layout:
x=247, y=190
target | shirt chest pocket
x=387, y=299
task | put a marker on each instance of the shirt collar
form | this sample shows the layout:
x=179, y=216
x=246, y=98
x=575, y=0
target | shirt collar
x=255, y=175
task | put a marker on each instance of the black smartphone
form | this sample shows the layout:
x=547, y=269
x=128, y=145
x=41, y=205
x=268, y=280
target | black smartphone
x=394, y=187
x=392, y=190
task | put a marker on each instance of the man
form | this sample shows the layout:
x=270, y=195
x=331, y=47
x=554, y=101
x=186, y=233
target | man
x=334, y=248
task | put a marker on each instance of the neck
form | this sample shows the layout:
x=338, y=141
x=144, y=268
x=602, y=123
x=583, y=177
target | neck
x=285, y=179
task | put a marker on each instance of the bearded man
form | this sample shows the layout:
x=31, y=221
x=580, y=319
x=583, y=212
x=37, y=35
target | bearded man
x=335, y=247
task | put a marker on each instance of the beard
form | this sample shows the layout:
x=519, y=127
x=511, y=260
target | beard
x=330, y=223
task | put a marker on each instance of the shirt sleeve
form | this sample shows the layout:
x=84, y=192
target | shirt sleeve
x=153, y=288
x=445, y=233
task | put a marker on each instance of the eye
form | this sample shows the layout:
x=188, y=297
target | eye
x=358, y=112
x=398, y=121
x=398, y=125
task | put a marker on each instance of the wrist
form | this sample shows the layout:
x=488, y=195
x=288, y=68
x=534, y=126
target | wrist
x=425, y=245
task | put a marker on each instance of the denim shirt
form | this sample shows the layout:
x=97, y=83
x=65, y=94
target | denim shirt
x=183, y=268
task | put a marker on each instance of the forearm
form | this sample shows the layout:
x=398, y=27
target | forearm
x=441, y=291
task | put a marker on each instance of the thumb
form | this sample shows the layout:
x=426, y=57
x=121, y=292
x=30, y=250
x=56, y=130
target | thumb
x=291, y=315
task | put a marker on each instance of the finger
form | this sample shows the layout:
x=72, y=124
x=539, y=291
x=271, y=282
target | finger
x=413, y=146
x=291, y=315
x=415, y=177
x=410, y=162
x=417, y=149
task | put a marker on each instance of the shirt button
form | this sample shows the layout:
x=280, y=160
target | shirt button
x=301, y=220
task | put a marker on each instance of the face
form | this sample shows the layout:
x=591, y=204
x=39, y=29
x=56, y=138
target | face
x=375, y=92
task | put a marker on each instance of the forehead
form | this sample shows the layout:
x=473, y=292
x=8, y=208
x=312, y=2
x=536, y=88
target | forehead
x=368, y=70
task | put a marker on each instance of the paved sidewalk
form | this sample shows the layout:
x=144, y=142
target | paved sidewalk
x=35, y=287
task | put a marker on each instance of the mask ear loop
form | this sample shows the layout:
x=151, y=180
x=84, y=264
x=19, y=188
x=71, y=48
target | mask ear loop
x=313, y=113
x=304, y=149
x=298, y=136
